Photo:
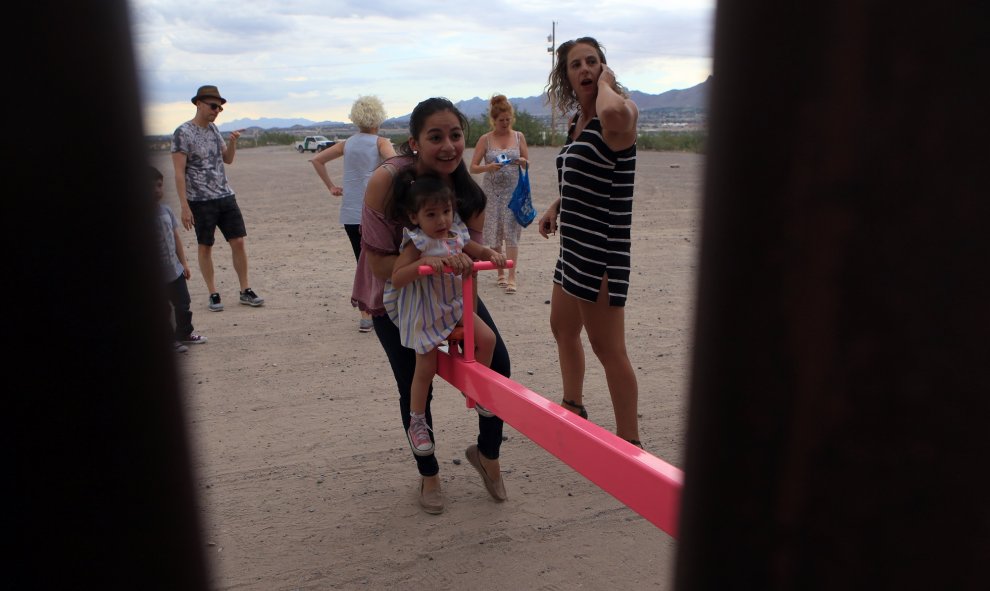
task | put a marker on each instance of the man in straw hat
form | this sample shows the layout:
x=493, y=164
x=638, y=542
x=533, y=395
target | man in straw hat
x=199, y=153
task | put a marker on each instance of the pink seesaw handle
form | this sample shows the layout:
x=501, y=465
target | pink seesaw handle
x=468, y=283
x=478, y=266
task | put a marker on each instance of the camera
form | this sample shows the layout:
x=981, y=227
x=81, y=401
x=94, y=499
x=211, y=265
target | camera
x=503, y=159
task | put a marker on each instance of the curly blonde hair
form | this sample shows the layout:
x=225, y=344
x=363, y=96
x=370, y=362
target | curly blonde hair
x=367, y=112
x=496, y=106
x=560, y=94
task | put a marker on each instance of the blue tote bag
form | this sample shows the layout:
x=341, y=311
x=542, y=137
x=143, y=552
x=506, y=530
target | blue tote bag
x=521, y=202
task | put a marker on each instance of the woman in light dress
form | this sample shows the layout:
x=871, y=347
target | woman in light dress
x=499, y=154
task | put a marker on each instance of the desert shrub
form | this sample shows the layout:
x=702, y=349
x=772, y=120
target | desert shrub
x=536, y=131
x=673, y=141
x=274, y=138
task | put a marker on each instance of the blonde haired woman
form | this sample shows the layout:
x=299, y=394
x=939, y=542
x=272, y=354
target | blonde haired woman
x=362, y=153
x=499, y=146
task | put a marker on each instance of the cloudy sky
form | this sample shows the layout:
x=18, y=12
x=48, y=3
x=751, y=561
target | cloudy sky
x=312, y=58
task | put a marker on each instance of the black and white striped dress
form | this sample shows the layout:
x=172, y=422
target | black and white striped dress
x=596, y=190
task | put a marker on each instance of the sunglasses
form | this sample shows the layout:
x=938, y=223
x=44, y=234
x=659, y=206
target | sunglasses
x=214, y=106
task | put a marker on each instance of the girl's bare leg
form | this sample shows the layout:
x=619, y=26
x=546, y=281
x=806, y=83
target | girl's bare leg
x=426, y=368
x=484, y=342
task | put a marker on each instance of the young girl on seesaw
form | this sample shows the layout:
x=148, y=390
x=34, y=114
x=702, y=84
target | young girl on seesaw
x=427, y=308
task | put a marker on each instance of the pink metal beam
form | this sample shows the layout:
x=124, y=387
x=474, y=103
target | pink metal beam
x=643, y=482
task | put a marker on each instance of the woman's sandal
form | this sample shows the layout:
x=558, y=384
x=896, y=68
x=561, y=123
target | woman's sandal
x=580, y=408
x=502, y=282
x=510, y=286
x=636, y=442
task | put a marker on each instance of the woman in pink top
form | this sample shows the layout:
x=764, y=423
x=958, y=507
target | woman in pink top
x=427, y=308
x=435, y=146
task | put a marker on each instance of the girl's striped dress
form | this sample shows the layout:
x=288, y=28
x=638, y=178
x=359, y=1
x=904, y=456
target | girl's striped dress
x=427, y=309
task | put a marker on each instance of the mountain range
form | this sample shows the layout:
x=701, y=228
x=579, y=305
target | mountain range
x=695, y=98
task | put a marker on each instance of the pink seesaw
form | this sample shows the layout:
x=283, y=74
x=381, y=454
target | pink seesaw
x=643, y=482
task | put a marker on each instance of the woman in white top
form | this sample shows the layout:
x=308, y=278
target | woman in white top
x=362, y=153
x=499, y=154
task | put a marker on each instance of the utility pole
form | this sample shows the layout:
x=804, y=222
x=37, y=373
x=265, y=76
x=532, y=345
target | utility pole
x=552, y=40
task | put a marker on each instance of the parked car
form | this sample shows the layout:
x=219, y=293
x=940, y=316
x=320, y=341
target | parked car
x=314, y=143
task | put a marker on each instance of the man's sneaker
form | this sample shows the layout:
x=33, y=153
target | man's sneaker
x=194, y=339
x=249, y=298
x=419, y=435
x=180, y=348
x=215, y=304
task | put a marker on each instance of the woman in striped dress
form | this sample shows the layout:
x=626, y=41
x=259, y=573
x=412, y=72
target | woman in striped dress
x=595, y=173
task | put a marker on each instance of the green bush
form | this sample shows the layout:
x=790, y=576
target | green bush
x=673, y=141
x=274, y=138
x=537, y=133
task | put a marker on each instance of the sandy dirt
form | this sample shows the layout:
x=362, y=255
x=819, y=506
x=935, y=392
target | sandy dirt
x=304, y=475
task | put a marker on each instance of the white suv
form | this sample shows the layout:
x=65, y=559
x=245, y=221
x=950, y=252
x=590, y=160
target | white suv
x=314, y=143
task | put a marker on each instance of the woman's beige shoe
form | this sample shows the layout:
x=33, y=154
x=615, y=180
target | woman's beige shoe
x=496, y=488
x=430, y=501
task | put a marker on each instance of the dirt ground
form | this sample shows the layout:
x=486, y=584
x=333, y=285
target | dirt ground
x=304, y=475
